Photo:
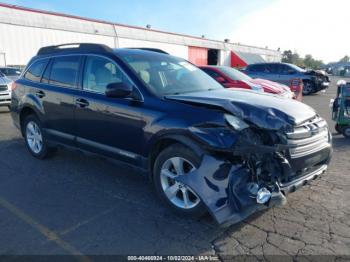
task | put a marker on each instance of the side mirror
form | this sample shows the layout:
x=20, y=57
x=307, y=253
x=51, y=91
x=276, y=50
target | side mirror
x=220, y=79
x=118, y=90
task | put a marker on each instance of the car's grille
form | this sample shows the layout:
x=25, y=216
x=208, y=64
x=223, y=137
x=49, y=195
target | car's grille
x=308, y=138
x=3, y=88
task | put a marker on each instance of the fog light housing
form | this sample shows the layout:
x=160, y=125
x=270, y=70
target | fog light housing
x=263, y=195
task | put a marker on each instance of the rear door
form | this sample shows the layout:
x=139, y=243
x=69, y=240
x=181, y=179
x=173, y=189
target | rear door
x=286, y=74
x=105, y=125
x=271, y=72
x=57, y=91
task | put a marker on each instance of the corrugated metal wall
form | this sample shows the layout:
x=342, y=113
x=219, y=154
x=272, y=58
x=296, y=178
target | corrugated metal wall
x=23, y=32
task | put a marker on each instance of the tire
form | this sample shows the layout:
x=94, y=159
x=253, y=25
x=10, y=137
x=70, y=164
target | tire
x=338, y=128
x=308, y=88
x=34, y=137
x=175, y=198
x=346, y=131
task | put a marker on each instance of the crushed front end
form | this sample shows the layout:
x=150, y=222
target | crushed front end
x=259, y=167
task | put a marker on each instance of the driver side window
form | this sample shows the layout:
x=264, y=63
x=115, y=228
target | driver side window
x=99, y=72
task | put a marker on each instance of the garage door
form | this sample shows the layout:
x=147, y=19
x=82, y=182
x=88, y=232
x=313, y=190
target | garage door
x=198, y=55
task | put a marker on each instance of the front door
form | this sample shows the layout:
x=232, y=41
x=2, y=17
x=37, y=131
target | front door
x=111, y=126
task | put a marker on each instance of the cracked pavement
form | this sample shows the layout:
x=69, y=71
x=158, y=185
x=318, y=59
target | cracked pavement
x=74, y=202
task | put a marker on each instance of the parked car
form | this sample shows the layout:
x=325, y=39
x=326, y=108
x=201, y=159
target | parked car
x=283, y=73
x=205, y=148
x=11, y=72
x=5, y=91
x=232, y=78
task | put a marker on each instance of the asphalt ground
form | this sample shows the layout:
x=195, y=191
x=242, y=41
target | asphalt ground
x=86, y=205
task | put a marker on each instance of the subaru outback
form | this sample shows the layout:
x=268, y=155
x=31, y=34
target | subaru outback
x=204, y=148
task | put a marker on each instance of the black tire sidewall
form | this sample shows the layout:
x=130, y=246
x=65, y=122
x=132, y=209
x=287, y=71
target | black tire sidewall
x=338, y=128
x=344, y=131
x=312, y=88
x=176, y=150
x=44, y=151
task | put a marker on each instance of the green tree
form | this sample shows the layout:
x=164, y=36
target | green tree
x=294, y=58
x=345, y=59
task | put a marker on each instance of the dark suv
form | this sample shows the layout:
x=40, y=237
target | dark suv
x=205, y=148
x=283, y=73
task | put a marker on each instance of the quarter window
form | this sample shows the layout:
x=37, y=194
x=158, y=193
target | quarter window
x=64, y=71
x=36, y=70
x=99, y=72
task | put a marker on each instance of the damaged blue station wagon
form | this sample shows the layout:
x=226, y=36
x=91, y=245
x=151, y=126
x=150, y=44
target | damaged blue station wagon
x=205, y=148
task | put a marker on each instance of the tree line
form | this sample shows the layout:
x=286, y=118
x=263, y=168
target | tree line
x=306, y=62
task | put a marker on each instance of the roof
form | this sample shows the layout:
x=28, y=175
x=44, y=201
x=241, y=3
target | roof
x=22, y=8
x=108, y=28
x=250, y=58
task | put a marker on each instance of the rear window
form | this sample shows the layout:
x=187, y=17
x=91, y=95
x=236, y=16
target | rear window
x=64, y=71
x=36, y=70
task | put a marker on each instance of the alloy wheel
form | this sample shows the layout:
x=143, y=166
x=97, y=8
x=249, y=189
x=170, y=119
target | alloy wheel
x=177, y=193
x=34, y=137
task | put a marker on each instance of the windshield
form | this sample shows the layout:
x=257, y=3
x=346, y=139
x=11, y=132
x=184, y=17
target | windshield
x=297, y=68
x=167, y=75
x=234, y=74
x=11, y=71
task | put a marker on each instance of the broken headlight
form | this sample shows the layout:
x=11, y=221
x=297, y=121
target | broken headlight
x=235, y=122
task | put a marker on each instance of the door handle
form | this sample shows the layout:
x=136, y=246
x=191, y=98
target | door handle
x=40, y=94
x=81, y=102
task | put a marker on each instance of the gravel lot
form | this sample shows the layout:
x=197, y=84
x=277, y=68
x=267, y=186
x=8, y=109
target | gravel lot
x=78, y=204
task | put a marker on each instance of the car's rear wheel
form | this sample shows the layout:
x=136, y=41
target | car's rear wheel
x=34, y=137
x=308, y=88
x=174, y=161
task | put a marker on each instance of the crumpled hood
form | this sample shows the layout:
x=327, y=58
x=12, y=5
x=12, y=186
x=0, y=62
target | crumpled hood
x=269, y=86
x=264, y=110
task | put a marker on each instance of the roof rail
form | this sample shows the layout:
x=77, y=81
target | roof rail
x=74, y=47
x=157, y=50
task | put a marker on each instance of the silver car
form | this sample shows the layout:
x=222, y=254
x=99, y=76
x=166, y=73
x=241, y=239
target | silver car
x=283, y=73
x=11, y=73
x=5, y=90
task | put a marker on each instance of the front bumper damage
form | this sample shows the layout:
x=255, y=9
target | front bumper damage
x=229, y=188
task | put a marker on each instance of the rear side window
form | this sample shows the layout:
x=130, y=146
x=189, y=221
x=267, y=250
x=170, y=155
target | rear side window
x=256, y=68
x=272, y=68
x=36, y=70
x=64, y=71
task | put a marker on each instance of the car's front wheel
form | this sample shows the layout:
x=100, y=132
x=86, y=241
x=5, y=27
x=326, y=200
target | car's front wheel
x=34, y=137
x=308, y=88
x=346, y=131
x=174, y=161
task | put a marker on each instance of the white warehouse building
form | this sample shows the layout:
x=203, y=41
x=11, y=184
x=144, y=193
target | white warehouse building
x=23, y=31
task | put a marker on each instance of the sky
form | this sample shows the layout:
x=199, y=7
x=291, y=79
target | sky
x=316, y=27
